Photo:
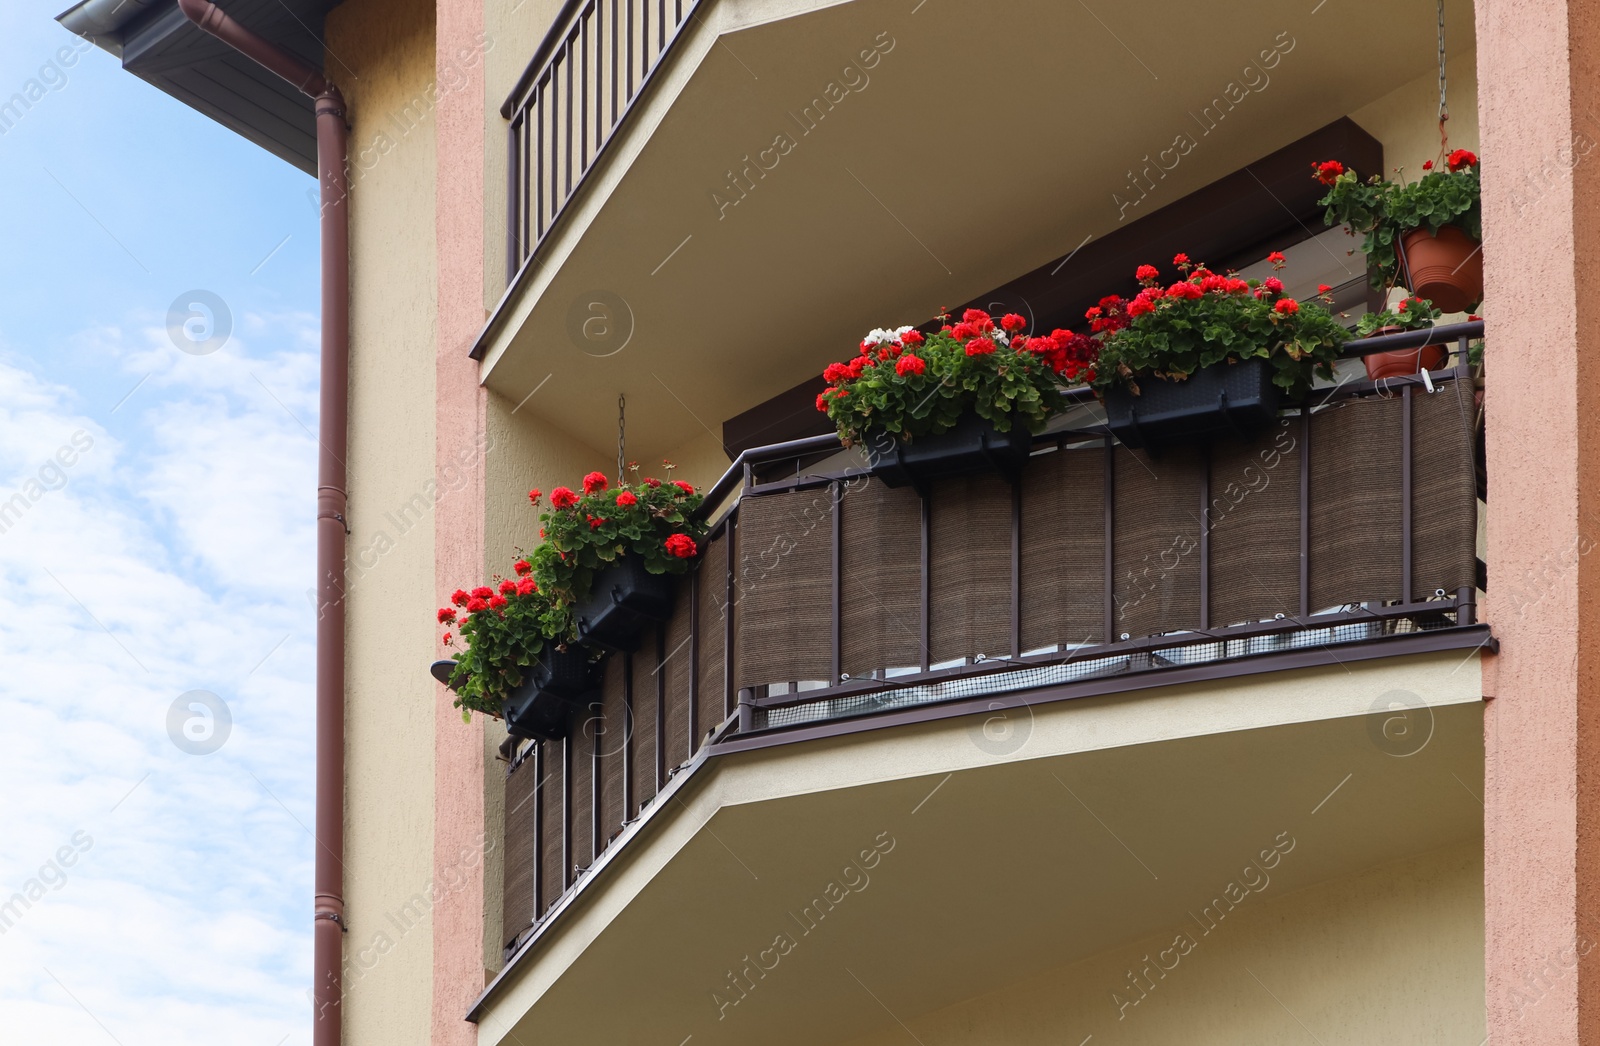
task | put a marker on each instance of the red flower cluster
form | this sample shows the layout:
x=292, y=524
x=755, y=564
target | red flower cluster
x=1071, y=355
x=627, y=498
x=535, y=494
x=687, y=488
x=594, y=483
x=522, y=567
x=909, y=365
x=561, y=497
x=1277, y=259
x=1287, y=306
x=681, y=545
x=1146, y=273
x=1328, y=171
x=980, y=347
x=1462, y=158
x=1011, y=323
x=446, y=614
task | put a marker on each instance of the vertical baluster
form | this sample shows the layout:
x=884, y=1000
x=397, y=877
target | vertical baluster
x=645, y=61
x=629, y=95
x=566, y=813
x=583, y=99
x=536, y=202
x=566, y=151
x=1305, y=512
x=1205, y=538
x=661, y=707
x=513, y=217
x=1111, y=535
x=613, y=74
x=836, y=665
x=694, y=655
x=728, y=636
x=661, y=28
x=538, y=829
x=927, y=561
x=1405, y=494
x=627, y=737
x=1016, y=568
x=596, y=776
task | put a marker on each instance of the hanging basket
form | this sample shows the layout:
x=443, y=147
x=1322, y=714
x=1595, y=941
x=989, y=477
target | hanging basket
x=1445, y=267
x=1223, y=399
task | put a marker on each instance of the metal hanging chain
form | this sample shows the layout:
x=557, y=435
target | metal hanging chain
x=622, y=431
x=1444, y=104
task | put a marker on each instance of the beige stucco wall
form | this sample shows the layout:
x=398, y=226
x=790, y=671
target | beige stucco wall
x=1393, y=955
x=1406, y=121
x=384, y=61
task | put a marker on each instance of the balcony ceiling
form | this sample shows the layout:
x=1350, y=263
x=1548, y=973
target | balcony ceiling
x=979, y=147
x=990, y=850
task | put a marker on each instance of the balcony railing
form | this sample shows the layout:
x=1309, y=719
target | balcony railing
x=580, y=85
x=825, y=601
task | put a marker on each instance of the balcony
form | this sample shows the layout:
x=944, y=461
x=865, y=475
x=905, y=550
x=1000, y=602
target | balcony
x=827, y=604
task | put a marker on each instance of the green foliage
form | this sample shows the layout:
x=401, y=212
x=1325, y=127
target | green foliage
x=499, y=645
x=1412, y=314
x=1383, y=211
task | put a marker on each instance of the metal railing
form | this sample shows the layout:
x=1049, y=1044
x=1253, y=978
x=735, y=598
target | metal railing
x=575, y=92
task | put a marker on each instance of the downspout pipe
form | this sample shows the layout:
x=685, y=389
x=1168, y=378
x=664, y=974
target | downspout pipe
x=328, y=921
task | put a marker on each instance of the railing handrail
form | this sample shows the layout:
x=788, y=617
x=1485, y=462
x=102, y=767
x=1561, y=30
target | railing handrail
x=828, y=442
x=541, y=55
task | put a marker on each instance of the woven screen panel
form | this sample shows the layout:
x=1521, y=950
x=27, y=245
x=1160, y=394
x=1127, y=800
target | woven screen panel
x=713, y=597
x=581, y=750
x=521, y=862
x=1444, y=497
x=613, y=741
x=1063, y=549
x=679, y=654
x=880, y=578
x=1156, y=553
x=785, y=591
x=1355, y=503
x=643, y=732
x=551, y=800
x=969, y=565
x=1255, y=526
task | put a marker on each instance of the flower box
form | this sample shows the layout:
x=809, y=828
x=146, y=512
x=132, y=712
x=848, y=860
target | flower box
x=974, y=445
x=1220, y=399
x=624, y=600
x=556, y=685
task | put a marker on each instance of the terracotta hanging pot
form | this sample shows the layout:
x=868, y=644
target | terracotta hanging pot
x=1446, y=268
x=1402, y=362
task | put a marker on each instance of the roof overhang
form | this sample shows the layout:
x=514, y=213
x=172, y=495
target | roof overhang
x=158, y=44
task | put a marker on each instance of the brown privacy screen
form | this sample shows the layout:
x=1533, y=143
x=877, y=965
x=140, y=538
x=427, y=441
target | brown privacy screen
x=1194, y=538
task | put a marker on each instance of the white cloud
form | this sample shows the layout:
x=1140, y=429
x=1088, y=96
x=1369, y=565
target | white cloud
x=175, y=556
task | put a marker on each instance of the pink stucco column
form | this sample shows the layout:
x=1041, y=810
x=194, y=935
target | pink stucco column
x=1538, y=85
x=458, y=813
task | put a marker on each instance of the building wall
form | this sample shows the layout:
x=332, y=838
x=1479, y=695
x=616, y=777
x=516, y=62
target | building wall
x=382, y=55
x=1394, y=954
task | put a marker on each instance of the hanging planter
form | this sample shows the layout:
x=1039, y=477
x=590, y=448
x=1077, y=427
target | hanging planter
x=1210, y=355
x=965, y=399
x=1424, y=235
x=973, y=445
x=626, y=598
x=1443, y=265
x=1409, y=315
x=1223, y=399
x=559, y=683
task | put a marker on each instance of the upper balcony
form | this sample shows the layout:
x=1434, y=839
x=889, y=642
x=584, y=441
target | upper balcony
x=687, y=179
x=832, y=609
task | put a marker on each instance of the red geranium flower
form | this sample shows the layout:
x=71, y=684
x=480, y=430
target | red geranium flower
x=835, y=373
x=1328, y=171
x=1180, y=259
x=522, y=567
x=561, y=497
x=978, y=318
x=1427, y=165
x=681, y=545
x=526, y=587
x=1287, y=306
x=1273, y=284
x=476, y=604
x=1277, y=259
x=482, y=592
x=594, y=522
x=1140, y=306
x=626, y=498
x=980, y=347
x=447, y=637
x=507, y=587
x=964, y=331
x=498, y=601
x=1145, y=272
x=594, y=482
x=459, y=597
x=1462, y=158
x=822, y=400
x=652, y=482
x=534, y=495
x=446, y=614
x=1011, y=322
x=909, y=365
x=911, y=339
x=687, y=488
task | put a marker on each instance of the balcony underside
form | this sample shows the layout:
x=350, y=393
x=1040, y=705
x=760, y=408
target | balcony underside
x=1094, y=823
x=944, y=170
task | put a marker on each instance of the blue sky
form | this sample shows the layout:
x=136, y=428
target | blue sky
x=156, y=567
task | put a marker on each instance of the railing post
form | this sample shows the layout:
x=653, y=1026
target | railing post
x=661, y=706
x=836, y=491
x=1205, y=537
x=1405, y=494
x=1016, y=567
x=538, y=829
x=728, y=636
x=627, y=736
x=1111, y=538
x=927, y=541
x=1305, y=512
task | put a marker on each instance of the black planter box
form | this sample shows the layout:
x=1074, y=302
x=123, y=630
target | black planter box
x=625, y=599
x=972, y=446
x=1223, y=399
x=557, y=684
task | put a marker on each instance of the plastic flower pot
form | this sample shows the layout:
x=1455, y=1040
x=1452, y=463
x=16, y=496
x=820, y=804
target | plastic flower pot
x=1223, y=399
x=557, y=684
x=625, y=599
x=972, y=446
x=1403, y=362
x=1447, y=267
